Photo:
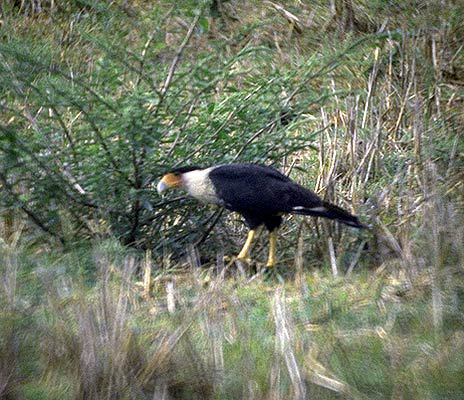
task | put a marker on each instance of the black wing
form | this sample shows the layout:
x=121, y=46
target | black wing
x=250, y=188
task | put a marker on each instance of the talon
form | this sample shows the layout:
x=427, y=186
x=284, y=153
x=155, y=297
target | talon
x=270, y=265
x=231, y=260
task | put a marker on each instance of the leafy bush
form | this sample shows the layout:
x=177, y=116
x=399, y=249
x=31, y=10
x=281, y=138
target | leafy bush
x=81, y=148
x=97, y=102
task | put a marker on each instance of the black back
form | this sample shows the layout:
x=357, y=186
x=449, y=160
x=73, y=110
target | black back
x=259, y=192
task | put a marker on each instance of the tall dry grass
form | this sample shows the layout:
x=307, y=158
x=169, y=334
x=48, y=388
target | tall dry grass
x=202, y=335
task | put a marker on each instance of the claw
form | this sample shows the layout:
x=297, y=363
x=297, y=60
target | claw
x=232, y=260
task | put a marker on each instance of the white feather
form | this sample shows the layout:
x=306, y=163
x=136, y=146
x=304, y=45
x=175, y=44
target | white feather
x=317, y=209
x=320, y=209
x=199, y=185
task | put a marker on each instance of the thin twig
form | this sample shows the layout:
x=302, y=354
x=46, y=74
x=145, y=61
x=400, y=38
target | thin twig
x=178, y=55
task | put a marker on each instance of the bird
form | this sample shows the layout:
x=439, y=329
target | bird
x=260, y=194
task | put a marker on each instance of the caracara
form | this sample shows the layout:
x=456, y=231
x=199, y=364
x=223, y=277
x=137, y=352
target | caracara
x=259, y=193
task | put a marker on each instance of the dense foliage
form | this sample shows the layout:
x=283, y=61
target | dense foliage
x=97, y=101
x=83, y=141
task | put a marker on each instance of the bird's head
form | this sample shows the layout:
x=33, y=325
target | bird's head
x=174, y=178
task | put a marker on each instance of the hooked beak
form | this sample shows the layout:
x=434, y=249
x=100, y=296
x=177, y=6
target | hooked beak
x=161, y=187
x=168, y=181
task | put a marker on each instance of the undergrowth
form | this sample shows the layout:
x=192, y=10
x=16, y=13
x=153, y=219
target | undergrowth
x=216, y=333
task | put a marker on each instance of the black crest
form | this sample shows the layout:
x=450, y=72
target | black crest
x=183, y=169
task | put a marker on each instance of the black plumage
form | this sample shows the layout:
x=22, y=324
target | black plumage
x=261, y=194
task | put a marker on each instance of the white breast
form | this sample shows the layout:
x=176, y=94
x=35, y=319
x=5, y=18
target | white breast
x=198, y=185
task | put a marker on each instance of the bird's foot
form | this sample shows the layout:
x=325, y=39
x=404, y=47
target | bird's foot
x=238, y=261
x=246, y=260
x=232, y=259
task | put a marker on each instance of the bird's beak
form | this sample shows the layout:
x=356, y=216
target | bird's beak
x=161, y=187
x=168, y=181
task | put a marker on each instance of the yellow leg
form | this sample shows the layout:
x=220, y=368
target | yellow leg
x=272, y=249
x=243, y=255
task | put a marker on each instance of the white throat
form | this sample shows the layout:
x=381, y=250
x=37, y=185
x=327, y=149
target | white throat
x=198, y=185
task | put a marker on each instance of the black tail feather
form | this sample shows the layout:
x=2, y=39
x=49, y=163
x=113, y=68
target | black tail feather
x=331, y=211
